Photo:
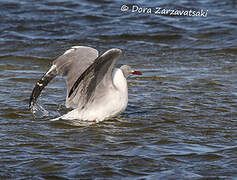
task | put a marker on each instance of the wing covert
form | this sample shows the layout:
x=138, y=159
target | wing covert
x=96, y=77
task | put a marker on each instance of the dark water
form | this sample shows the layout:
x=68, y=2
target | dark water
x=181, y=121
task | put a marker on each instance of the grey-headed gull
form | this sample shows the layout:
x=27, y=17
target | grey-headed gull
x=95, y=89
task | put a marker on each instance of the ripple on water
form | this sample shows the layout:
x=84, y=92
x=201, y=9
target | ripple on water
x=180, y=121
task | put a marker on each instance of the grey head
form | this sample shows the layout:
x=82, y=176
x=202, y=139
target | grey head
x=127, y=71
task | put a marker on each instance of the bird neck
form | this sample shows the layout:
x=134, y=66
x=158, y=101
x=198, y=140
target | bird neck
x=120, y=82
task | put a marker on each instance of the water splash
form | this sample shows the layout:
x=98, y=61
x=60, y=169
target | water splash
x=38, y=111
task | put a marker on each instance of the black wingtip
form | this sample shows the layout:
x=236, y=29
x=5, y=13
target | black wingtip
x=40, y=84
x=31, y=103
x=70, y=93
x=73, y=88
x=32, y=99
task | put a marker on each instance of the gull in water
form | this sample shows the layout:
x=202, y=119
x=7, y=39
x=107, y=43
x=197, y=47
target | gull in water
x=95, y=89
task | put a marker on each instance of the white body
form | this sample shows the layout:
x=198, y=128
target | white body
x=114, y=103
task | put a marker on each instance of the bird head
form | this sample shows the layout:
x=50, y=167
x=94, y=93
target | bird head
x=127, y=71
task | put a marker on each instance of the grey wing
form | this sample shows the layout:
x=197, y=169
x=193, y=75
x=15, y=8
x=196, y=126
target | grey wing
x=96, y=79
x=71, y=64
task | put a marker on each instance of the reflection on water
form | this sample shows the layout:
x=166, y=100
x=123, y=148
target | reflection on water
x=181, y=118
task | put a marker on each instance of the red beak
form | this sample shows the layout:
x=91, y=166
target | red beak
x=136, y=73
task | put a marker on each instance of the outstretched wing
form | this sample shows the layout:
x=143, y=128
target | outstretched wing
x=71, y=64
x=95, y=80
